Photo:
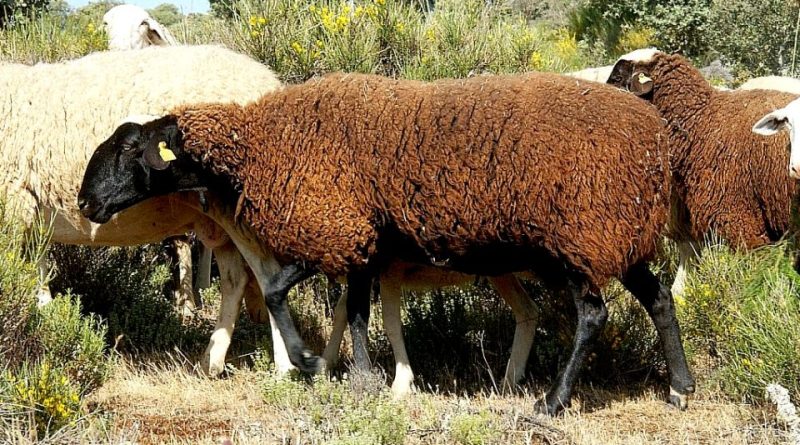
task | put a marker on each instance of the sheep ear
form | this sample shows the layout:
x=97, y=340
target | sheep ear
x=641, y=84
x=771, y=123
x=157, y=34
x=158, y=156
x=620, y=74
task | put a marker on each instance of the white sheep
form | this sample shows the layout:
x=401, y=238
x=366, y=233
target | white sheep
x=54, y=115
x=403, y=277
x=777, y=83
x=599, y=74
x=131, y=27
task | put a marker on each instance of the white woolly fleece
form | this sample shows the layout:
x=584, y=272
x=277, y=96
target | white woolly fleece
x=131, y=27
x=55, y=115
x=777, y=83
x=640, y=55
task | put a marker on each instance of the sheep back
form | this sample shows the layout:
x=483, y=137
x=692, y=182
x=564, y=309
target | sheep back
x=728, y=180
x=777, y=83
x=456, y=168
x=55, y=115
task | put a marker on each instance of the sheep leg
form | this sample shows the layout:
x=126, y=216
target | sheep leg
x=358, y=289
x=203, y=278
x=185, y=298
x=275, y=287
x=391, y=299
x=688, y=252
x=526, y=315
x=43, y=295
x=592, y=315
x=233, y=279
x=657, y=301
x=331, y=353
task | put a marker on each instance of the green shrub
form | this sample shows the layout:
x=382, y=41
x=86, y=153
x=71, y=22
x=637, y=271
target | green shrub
x=474, y=429
x=337, y=412
x=128, y=288
x=51, y=38
x=756, y=38
x=72, y=342
x=742, y=311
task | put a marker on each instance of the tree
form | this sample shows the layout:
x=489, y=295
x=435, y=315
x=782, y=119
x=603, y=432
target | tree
x=166, y=13
x=9, y=8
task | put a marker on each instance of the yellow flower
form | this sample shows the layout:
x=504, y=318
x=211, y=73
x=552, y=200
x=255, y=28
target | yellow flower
x=298, y=48
x=262, y=21
x=319, y=43
x=430, y=35
x=679, y=300
x=254, y=33
x=536, y=61
x=380, y=2
x=359, y=11
x=253, y=20
x=400, y=27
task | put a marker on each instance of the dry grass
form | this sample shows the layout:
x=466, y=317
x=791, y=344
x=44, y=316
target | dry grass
x=169, y=404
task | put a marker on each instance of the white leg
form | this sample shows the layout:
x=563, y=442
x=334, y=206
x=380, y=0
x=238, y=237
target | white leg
x=687, y=255
x=331, y=353
x=526, y=315
x=184, y=294
x=391, y=299
x=203, y=278
x=43, y=295
x=282, y=363
x=233, y=279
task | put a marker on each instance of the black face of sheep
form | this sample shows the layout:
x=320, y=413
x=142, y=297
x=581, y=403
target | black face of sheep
x=631, y=76
x=137, y=162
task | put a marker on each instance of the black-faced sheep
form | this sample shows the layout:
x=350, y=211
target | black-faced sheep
x=726, y=179
x=54, y=115
x=130, y=27
x=489, y=175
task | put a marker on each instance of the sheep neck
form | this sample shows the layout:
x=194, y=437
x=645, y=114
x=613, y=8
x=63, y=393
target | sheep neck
x=681, y=94
x=213, y=135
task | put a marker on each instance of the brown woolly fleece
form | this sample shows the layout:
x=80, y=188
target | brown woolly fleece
x=476, y=172
x=727, y=179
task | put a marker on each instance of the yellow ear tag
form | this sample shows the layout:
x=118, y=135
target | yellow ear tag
x=166, y=154
x=644, y=79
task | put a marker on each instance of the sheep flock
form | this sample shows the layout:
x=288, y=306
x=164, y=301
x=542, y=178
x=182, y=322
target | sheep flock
x=570, y=181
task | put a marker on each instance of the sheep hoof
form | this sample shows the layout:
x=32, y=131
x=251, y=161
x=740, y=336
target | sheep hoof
x=549, y=408
x=310, y=363
x=678, y=400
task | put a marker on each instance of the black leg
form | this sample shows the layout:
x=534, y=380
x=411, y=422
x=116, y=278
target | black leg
x=657, y=301
x=278, y=286
x=592, y=315
x=359, y=285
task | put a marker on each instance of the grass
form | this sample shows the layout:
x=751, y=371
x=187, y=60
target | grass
x=167, y=404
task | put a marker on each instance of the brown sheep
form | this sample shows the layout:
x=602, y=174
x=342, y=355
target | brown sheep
x=488, y=175
x=727, y=180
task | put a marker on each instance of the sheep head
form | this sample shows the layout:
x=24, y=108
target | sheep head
x=787, y=118
x=131, y=27
x=137, y=162
x=633, y=70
